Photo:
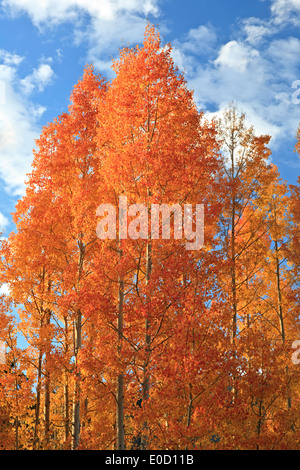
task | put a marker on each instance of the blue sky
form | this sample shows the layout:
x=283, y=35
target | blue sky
x=244, y=51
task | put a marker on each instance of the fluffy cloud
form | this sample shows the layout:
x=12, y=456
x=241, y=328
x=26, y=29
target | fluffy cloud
x=38, y=79
x=236, y=56
x=9, y=59
x=197, y=43
x=255, y=68
x=59, y=11
x=101, y=24
x=104, y=37
x=255, y=30
x=285, y=11
x=4, y=289
x=3, y=221
x=258, y=78
x=18, y=123
x=282, y=13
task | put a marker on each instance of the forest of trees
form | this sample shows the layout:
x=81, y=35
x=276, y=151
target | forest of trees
x=140, y=343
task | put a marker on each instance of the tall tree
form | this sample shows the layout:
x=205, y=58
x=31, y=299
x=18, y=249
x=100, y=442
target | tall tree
x=156, y=148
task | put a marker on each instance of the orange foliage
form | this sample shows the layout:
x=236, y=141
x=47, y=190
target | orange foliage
x=200, y=340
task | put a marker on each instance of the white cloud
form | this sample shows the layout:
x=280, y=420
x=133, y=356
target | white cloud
x=236, y=56
x=255, y=30
x=3, y=221
x=282, y=13
x=2, y=92
x=286, y=52
x=258, y=79
x=185, y=62
x=4, y=289
x=254, y=68
x=18, y=128
x=38, y=79
x=199, y=40
x=285, y=11
x=49, y=12
x=7, y=58
x=102, y=24
x=104, y=38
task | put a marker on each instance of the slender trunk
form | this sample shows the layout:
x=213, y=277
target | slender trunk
x=17, y=418
x=76, y=402
x=146, y=378
x=77, y=347
x=47, y=409
x=279, y=296
x=259, y=423
x=189, y=411
x=17, y=434
x=280, y=314
x=47, y=386
x=120, y=413
x=233, y=274
x=38, y=402
x=66, y=387
x=233, y=261
x=120, y=380
x=66, y=407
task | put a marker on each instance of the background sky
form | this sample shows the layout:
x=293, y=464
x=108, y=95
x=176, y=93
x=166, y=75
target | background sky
x=244, y=51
